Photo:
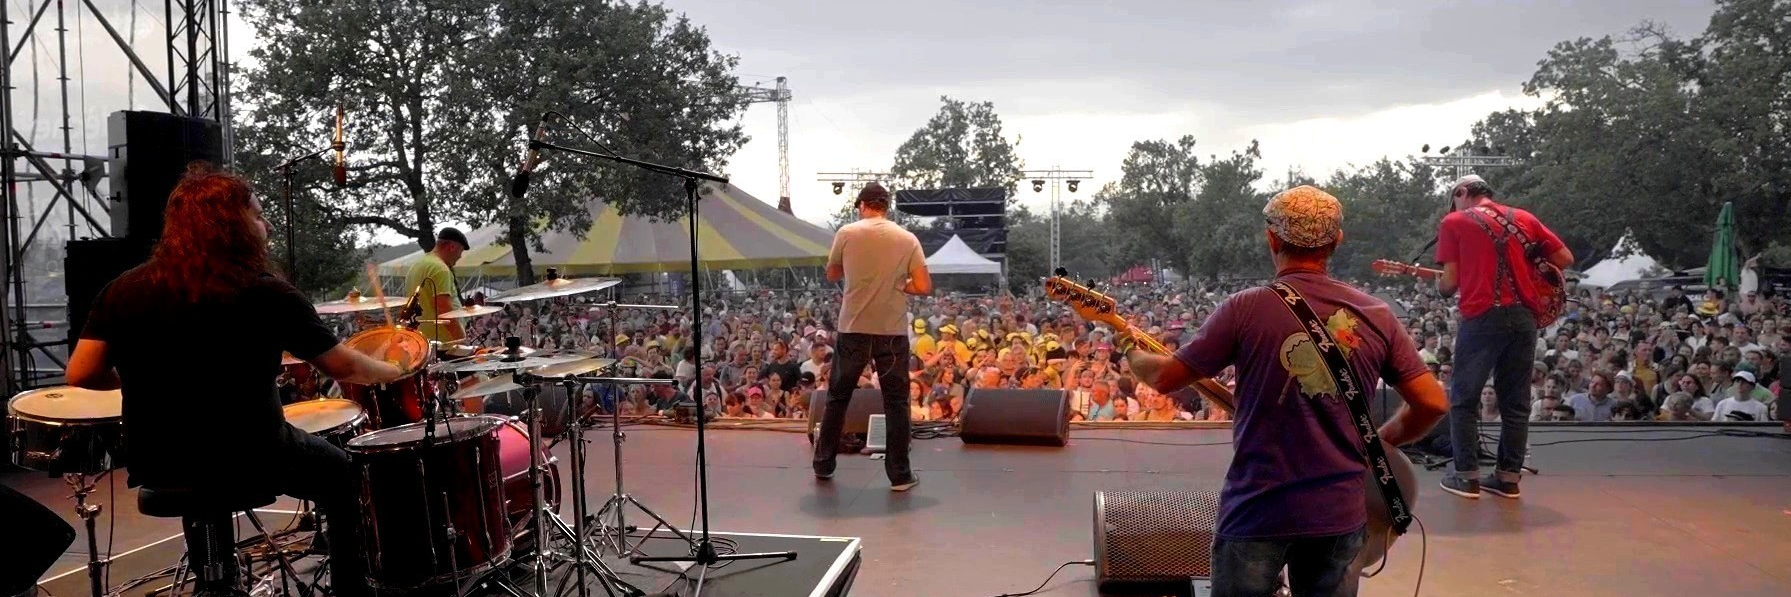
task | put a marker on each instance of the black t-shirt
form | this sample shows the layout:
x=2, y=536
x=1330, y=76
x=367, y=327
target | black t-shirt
x=789, y=373
x=200, y=405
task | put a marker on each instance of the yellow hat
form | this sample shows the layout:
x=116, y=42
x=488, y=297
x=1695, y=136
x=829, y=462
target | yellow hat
x=948, y=329
x=652, y=344
x=621, y=339
x=920, y=325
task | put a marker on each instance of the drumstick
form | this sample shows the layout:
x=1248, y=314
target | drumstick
x=379, y=294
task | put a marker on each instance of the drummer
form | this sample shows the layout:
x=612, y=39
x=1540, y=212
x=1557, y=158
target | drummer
x=433, y=274
x=205, y=308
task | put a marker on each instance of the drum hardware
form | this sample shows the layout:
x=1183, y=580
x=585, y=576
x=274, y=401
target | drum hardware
x=77, y=434
x=616, y=536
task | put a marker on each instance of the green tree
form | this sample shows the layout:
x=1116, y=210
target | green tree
x=962, y=146
x=1084, y=243
x=1223, y=227
x=1390, y=210
x=1157, y=182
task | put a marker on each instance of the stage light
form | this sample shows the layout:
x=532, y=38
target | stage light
x=1073, y=184
x=1038, y=186
x=839, y=187
x=1426, y=148
x=1445, y=149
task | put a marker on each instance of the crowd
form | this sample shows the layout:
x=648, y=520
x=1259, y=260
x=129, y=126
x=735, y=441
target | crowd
x=1613, y=357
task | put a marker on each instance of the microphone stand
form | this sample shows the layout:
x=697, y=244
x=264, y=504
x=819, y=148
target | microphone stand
x=285, y=169
x=703, y=555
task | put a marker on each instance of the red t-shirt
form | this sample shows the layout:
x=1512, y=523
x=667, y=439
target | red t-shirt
x=1463, y=242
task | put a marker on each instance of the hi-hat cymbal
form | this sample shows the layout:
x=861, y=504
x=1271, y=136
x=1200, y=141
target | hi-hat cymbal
x=358, y=304
x=554, y=288
x=466, y=312
x=575, y=368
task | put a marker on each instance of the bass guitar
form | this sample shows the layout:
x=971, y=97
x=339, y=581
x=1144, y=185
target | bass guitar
x=1100, y=308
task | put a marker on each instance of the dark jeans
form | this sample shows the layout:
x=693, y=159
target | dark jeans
x=889, y=354
x=318, y=471
x=1316, y=566
x=1500, y=344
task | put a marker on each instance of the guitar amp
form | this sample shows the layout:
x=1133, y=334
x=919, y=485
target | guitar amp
x=1153, y=540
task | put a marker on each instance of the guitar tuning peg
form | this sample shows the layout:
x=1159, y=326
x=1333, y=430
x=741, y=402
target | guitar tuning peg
x=1060, y=272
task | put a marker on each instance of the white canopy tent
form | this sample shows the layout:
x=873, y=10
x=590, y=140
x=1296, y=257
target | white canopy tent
x=958, y=258
x=1626, y=262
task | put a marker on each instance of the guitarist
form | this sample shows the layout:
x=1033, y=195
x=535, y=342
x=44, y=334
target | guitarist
x=1486, y=263
x=1293, y=496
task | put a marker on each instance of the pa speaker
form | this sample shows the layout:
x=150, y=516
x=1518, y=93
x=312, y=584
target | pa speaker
x=89, y=265
x=1024, y=417
x=1153, y=540
x=150, y=152
x=865, y=402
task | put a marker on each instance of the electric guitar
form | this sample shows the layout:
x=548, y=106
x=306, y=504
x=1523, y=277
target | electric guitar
x=1388, y=267
x=1096, y=307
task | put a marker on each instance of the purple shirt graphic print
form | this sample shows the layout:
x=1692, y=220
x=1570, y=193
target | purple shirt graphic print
x=1298, y=463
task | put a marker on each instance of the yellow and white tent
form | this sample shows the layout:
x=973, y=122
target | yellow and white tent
x=734, y=231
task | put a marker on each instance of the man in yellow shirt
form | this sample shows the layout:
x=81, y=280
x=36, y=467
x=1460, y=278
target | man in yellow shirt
x=433, y=275
x=924, y=345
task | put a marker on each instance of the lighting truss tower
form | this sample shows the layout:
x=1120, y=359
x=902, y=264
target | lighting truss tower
x=196, y=82
x=781, y=96
x=1057, y=178
x=854, y=180
x=1464, y=160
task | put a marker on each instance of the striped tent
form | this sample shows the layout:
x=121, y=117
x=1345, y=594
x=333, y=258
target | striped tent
x=734, y=231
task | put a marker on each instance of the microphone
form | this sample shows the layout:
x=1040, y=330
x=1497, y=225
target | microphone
x=519, y=186
x=341, y=148
x=412, y=308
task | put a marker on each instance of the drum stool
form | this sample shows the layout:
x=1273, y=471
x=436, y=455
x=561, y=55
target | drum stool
x=211, y=549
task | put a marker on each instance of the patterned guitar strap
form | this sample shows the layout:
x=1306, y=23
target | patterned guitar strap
x=1352, y=395
x=1504, y=272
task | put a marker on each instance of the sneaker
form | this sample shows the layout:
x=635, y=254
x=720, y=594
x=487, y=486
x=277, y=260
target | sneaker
x=820, y=476
x=912, y=481
x=1504, y=489
x=1467, y=488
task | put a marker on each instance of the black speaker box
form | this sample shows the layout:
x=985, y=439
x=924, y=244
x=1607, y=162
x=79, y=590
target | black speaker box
x=1154, y=542
x=150, y=152
x=1022, y=417
x=89, y=265
x=865, y=402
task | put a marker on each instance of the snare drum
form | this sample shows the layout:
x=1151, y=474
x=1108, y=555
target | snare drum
x=399, y=402
x=336, y=421
x=433, y=510
x=67, y=430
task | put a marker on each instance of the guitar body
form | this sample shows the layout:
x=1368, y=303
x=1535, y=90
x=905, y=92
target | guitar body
x=1094, y=306
x=1550, y=286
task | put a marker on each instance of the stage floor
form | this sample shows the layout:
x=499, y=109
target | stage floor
x=1632, y=512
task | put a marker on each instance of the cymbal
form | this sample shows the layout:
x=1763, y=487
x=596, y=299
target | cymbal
x=460, y=352
x=575, y=367
x=496, y=362
x=495, y=385
x=358, y=304
x=554, y=288
x=466, y=312
x=286, y=358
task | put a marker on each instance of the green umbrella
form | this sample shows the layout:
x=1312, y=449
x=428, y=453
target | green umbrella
x=1724, y=268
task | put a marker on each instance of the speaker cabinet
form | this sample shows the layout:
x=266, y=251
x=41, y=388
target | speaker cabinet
x=865, y=402
x=1153, y=540
x=1018, y=417
x=150, y=152
x=89, y=265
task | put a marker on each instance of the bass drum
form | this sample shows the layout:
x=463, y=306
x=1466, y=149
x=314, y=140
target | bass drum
x=400, y=402
x=433, y=510
x=556, y=407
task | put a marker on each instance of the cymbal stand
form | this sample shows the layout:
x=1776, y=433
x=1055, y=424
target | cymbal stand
x=583, y=559
x=618, y=502
x=83, y=486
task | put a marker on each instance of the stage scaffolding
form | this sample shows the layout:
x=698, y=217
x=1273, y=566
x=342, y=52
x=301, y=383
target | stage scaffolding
x=192, y=37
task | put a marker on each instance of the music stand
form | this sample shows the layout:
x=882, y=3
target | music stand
x=703, y=555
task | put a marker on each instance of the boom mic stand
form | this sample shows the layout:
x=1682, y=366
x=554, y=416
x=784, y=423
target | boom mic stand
x=285, y=169
x=703, y=555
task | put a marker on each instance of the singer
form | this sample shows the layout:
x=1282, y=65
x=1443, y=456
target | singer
x=431, y=281
x=880, y=263
x=207, y=281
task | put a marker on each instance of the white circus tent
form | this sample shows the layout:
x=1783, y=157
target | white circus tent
x=955, y=257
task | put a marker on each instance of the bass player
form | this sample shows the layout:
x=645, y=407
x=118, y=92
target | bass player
x=1486, y=262
x=1294, y=492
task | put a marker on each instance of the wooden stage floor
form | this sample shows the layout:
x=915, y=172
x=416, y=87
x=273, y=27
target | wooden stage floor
x=1634, y=512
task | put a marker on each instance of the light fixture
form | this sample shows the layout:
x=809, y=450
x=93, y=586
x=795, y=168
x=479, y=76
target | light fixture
x=1073, y=184
x=1038, y=185
x=1445, y=149
x=1426, y=148
x=839, y=187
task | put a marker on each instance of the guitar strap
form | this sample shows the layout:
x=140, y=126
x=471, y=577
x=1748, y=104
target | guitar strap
x=1350, y=391
x=1504, y=266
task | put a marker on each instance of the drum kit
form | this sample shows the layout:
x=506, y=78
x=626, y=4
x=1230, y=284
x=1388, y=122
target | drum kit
x=447, y=497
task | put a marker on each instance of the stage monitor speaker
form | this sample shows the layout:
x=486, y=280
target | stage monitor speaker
x=89, y=265
x=1153, y=541
x=865, y=402
x=1024, y=417
x=150, y=152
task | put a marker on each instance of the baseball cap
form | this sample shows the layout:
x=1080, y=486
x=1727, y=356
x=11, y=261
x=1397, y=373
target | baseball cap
x=454, y=234
x=1304, y=216
x=920, y=325
x=1745, y=376
x=755, y=391
x=808, y=377
x=1466, y=181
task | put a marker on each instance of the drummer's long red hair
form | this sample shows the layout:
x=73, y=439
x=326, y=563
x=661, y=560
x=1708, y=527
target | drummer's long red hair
x=211, y=244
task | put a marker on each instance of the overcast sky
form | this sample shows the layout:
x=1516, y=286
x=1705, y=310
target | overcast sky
x=1322, y=83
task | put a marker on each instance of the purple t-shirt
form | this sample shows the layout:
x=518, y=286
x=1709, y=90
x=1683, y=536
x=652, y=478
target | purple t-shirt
x=1294, y=475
